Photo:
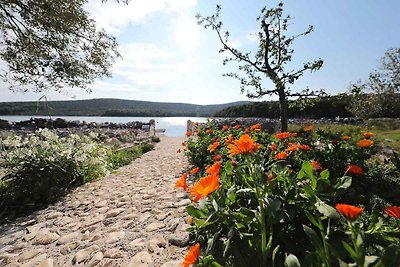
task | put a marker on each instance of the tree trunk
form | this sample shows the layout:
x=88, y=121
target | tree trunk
x=283, y=103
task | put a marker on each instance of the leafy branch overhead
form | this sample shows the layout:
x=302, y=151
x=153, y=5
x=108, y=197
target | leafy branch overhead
x=52, y=45
x=269, y=61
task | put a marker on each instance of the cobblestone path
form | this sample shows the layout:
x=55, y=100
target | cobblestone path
x=132, y=218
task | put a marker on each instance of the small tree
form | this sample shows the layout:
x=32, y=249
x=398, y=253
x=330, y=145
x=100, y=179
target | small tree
x=274, y=52
x=52, y=44
x=379, y=96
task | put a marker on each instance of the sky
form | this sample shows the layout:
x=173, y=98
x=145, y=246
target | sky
x=167, y=57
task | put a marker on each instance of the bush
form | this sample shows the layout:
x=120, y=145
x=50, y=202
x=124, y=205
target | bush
x=122, y=157
x=41, y=167
x=155, y=139
x=146, y=147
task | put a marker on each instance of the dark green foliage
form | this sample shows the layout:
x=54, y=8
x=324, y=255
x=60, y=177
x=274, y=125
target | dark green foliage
x=329, y=107
x=52, y=45
x=146, y=147
x=155, y=139
x=110, y=107
x=122, y=157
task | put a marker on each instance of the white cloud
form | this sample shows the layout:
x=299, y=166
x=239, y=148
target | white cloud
x=113, y=16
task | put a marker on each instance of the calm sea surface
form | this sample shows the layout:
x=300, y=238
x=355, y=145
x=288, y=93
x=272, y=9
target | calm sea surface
x=174, y=126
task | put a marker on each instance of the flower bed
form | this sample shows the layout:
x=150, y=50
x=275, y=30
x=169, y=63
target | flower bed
x=306, y=198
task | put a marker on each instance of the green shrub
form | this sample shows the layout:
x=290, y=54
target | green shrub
x=122, y=157
x=155, y=139
x=146, y=147
x=41, y=167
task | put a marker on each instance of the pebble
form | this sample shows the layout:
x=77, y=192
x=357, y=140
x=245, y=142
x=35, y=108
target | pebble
x=68, y=238
x=114, y=253
x=45, y=237
x=84, y=254
x=114, y=237
x=142, y=259
x=28, y=255
x=154, y=226
x=96, y=259
x=180, y=239
x=114, y=212
x=172, y=264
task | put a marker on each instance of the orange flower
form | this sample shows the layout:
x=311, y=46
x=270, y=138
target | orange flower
x=188, y=134
x=316, y=165
x=304, y=147
x=283, y=135
x=393, y=211
x=182, y=182
x=190, y=220
x=204, y=187
x=247, y=130
x=208, y=131
x=308, y=128
x=225, y=127
x=214, y=169
x=272, y=147
x=244, y=145
x=292, y=147
x=256, y=127
x=213, y=146
x=196, y=123
x=346, y=138
x=191, y=256
x=217, y=157
x=294, y=134
x=196, y=132
x=184, y=143
x=195, y=170
x=178, y=150
x=354, y=169
x=237, y=127
x=350, y=212
x=365, y=143
x=281, y=155
x=368, y=135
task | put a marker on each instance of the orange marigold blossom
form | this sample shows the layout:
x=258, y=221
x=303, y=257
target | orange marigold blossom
x=308, y=128
x=281, y=155
x=247, y=130
x=365, y=143
x=346, y=138
x=225, y=127
x=182, y=182
x=237, y=127
x=243, y=145
x=214, y=169
x=292, y=147
x=204, y=187
x=196, y=123
x=315, y=164
x=283, y=135
x=304, y=147
x=191, y=256
x=354, y=169
x=349, y=211
x=190, y=220
x=208, y=131
x=178, y=150
x=195, y=170
x=213, y=146
x=217, y=157
x=393, y=211
x=368, y=135
x=188, y=133
x=255, y=127
x=196, y=132
x=272, y=147
x=293, y=134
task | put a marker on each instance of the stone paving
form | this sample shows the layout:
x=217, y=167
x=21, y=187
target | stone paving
x=132, y=218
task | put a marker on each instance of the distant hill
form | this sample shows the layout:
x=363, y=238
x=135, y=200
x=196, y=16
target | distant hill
x=111, y=107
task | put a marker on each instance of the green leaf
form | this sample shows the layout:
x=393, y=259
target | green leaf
x=195, y=212
x=349, y=249
x=326, y=210
x=274, y=252
x=324, y=174
x=391, y=257
x=312, y=235
x=215, y=205
x=292, y=261
x=210, y=261
x=272, y=205
x=345, y=182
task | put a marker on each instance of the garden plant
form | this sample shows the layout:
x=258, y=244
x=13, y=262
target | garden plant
x=304, y=198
